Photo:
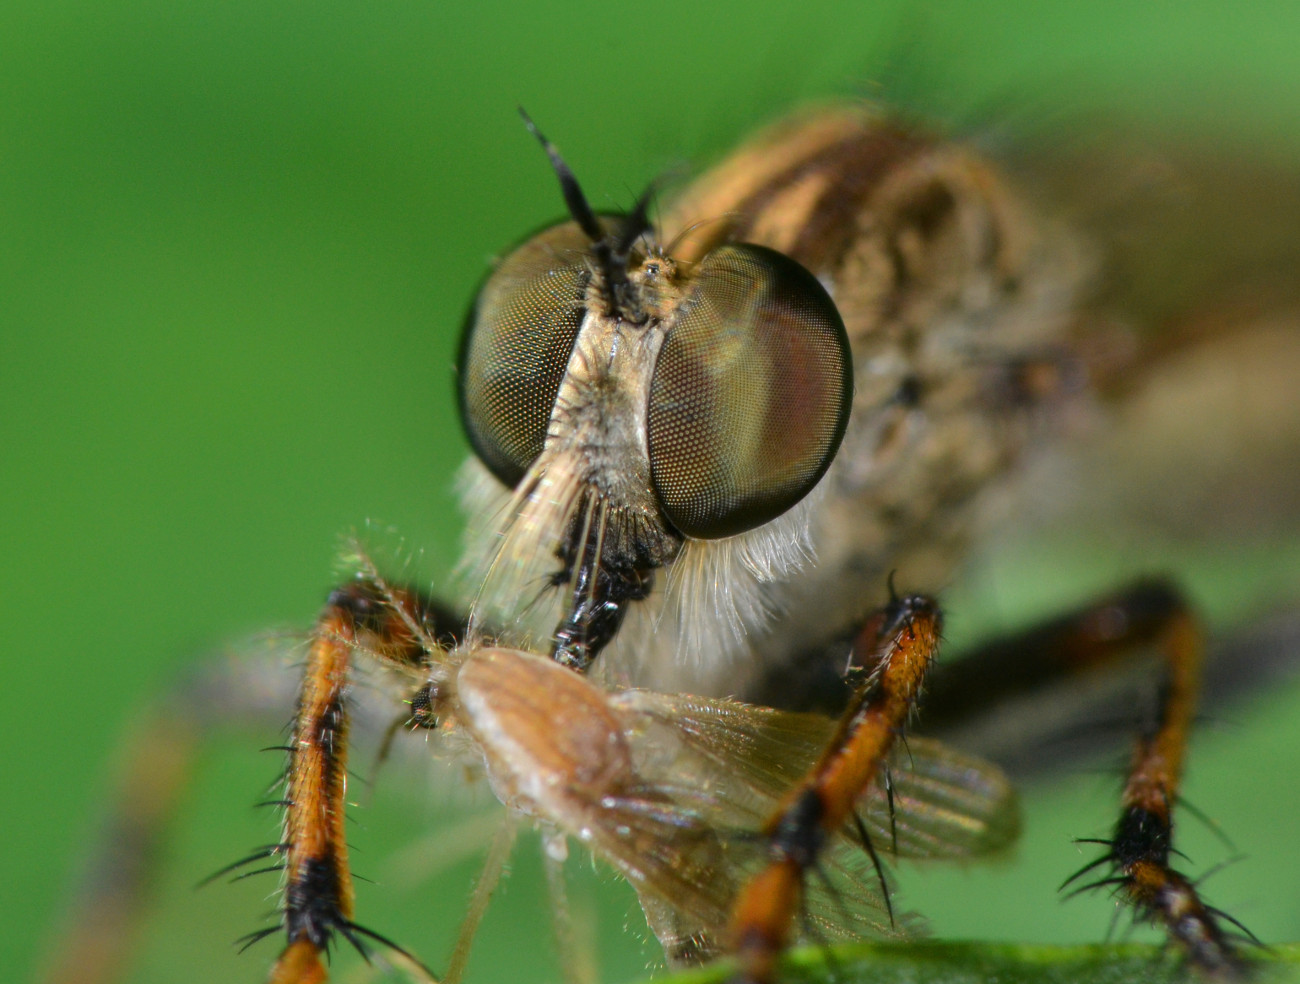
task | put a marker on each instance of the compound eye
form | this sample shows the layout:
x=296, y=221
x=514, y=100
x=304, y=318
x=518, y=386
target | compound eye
x=516, y=345
x=750, y=395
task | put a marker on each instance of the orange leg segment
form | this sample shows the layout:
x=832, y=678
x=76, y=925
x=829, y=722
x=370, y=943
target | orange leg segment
x=394, y=627
x=318, y=885
x=897, y=648
x=900, y=645
x=1138, y=851
x=318, y=897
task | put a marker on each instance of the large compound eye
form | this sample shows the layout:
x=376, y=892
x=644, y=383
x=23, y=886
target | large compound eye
x=517, y=342
x=750, y=396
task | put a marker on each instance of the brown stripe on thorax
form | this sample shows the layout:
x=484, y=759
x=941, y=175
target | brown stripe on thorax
x=798, y=189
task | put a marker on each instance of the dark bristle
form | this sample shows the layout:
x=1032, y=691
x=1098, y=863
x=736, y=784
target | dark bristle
x=349, y=933
x=889, y=801
x=1104, y=859
x=248, y=939
x=1214, y=870
x=875, y=863
x=257, y=871
x=354, y=928
x=1209, y=822
x=270, y=850
x=1099, y=883
x=1246, y=934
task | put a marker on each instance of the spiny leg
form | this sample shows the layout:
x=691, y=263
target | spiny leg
x=1021, y=665
x=1145, y=615
x=397, y=628
x=118, y=883
x=117, y=889
x=494, y=867
x=1139, y=849
x=901, y=642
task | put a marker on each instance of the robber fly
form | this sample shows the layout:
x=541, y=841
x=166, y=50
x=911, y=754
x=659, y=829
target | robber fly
x=702, y=446
x=838, y=347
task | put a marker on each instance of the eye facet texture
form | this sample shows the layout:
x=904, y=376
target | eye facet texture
x=750, y=396
x=516, y=346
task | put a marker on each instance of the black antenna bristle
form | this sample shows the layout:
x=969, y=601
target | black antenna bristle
x=573, y=196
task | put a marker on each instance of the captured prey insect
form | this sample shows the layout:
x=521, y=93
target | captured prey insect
x=702, y=449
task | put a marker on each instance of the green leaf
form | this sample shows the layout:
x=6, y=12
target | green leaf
x=1003, y=963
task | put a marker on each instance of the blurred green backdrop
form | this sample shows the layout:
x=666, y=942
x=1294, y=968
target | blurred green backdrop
x=236, y=242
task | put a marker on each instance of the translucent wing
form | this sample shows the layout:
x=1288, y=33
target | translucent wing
x=945, y=804
x=704, y=802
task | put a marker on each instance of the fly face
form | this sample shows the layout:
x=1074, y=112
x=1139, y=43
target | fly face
x=643, y=408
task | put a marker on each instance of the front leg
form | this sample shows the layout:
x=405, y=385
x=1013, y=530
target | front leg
x=395, y=627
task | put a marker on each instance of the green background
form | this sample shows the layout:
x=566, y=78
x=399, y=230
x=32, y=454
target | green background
x=236, y=243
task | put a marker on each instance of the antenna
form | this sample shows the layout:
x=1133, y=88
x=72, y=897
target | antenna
x=611, y=250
